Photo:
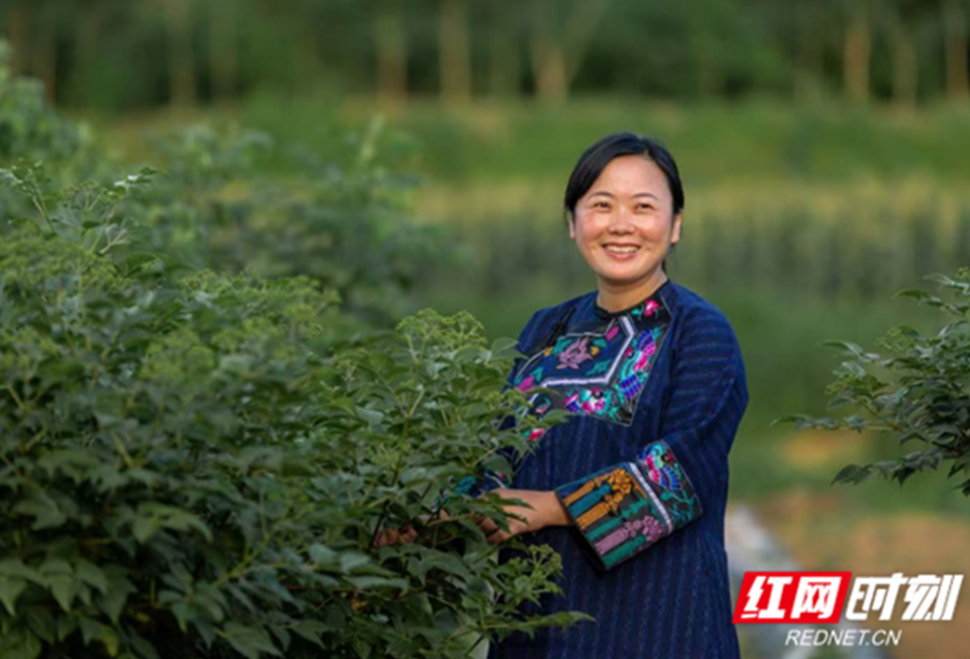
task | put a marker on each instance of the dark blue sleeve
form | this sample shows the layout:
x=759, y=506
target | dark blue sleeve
x=627, y=507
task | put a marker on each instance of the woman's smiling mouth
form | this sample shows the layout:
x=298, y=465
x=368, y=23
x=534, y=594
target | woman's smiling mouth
x=621, y=251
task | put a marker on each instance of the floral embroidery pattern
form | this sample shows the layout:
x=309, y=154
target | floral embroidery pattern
x=574, y=354
x=658, y=463
x=600, y=373
x=624, y=509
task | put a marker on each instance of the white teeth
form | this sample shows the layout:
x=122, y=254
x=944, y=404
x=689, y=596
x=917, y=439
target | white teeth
x=620, y=250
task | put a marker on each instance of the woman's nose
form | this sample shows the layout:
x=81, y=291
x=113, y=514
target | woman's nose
x=621, y=221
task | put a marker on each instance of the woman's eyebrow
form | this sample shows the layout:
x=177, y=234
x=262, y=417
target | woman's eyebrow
x=604, y=193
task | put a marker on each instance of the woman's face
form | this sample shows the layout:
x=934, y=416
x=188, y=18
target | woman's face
x=624, y=225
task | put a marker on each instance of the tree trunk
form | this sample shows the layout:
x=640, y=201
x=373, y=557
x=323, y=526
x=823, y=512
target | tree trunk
x=390, y=40
x=549, y=69
x=223, y=50
x=504, y=62
x=557, y=54
x=181, y=64
x=808, y=71
x=856, y=60
x=44, y=58
x=86, y=53
x=956, y=50
x=905, y=66
x=455, y=58
x=582, y=24
x=18, y=33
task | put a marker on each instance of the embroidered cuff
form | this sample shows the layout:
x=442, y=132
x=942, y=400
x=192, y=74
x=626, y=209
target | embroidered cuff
x=625, y=508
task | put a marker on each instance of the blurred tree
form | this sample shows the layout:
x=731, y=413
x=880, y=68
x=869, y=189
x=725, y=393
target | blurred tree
x=955, y=31
x=808, y=33
x=560, y=36
x=223, y=51
x=390, y=43
x=455, y=52
x=118, y=54
x=181, y=61
x=857, y=51
x=43, y=43
x=900, y=19
x=504, y=21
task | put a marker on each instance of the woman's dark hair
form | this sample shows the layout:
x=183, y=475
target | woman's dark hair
x=595, y=159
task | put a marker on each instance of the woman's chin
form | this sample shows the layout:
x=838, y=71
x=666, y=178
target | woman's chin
x=625, y=272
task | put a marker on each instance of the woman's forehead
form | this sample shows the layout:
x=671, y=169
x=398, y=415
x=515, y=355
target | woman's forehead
x=631, y=176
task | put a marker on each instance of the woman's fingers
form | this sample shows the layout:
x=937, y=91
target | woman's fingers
x=486, y=524
x=394, y=536
x=498, y=537
x=493, y=533
x=387, y=537
x=409, y=534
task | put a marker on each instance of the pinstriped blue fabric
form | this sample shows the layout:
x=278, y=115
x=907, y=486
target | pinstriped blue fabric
x=667, y=598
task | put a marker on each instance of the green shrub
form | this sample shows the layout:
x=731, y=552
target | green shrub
x=917, y=391
x=233, y=200
x=196, y=464
x=347, y=225
x=28, y=128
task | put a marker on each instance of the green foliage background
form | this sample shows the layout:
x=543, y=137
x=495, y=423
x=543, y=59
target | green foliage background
x=201, y=445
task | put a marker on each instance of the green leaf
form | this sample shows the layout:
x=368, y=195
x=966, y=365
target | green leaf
x=323, y=556
x=851, y=474
x=19, y=643
x=10, y=590
x=366, y=582
x=311, y=630
x=362, y=648
x=91, y=574
x=351, y=560
x=66, y=626
x=144, y=528
x=42, y=623
x=14, y=567
x=142, y=647
x=173, y=518
x=251, y=642
x=64, y=590
x=504, y=346
x=44, y=510
x=117, y=592
x=372, y=417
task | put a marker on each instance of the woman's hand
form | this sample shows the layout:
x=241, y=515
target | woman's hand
x=546, y=510
x=404, y=534
x=394, y=536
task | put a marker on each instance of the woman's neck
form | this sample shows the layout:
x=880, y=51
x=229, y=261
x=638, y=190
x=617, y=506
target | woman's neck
x=618, y=297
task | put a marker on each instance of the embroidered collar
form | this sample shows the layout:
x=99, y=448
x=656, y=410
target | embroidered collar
x=644, y=307
x=598, y=366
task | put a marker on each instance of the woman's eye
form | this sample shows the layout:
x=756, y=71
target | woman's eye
x=600, y=204
x=645, y=206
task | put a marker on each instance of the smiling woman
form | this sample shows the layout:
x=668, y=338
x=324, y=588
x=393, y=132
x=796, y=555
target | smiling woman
x=624, y=227
x=631, y=491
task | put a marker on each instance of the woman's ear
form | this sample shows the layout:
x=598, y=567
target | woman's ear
x=675, y=234
x=571, y=221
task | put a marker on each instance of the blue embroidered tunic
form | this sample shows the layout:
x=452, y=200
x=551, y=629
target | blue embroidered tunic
x=642, y=469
